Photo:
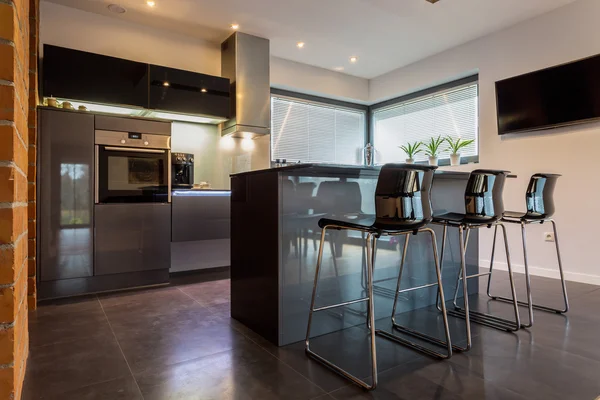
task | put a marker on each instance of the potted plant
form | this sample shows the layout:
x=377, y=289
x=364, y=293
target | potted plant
x=455, y=146
x=432, y=147
x=411, y=149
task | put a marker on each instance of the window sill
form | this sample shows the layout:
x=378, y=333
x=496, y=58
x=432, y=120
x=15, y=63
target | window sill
x=445, y=162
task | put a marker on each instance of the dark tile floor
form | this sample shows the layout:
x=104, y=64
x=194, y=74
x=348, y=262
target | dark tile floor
x=178, y=342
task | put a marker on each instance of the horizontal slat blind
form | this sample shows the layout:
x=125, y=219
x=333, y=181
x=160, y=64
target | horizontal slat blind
x=311, y=132
x=449, y=113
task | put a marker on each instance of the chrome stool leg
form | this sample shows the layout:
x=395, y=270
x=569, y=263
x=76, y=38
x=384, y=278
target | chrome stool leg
x=492, y=261
x=529, y=304
x=488, y=319
x=462, y=272
x=460, y=275
x=562, y=276
x=369, y=299
x=403, y=329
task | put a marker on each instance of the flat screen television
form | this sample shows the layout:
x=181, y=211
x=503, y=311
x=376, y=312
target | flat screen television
x=557, y=96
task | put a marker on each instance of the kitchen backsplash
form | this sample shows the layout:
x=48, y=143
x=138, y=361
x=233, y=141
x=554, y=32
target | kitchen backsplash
x=216, y=157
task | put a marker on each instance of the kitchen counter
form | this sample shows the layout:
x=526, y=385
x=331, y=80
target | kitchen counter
x=274, y=240
x=345, y=170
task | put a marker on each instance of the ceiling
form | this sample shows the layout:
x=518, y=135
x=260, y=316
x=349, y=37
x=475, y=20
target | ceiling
x=383, y=34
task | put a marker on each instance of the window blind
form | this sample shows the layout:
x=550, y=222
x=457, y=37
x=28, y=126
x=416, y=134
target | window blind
x=451, y=113
x=319, y=133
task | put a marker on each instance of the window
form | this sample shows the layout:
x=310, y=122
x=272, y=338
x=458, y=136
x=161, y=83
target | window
x=450, y=112
x=313, y=132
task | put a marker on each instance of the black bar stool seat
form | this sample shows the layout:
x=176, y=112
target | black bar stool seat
x=539, y=199
x=453, y=218
x=370, y=224
x=402, y=207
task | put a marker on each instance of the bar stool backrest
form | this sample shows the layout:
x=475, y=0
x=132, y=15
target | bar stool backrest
x=540, y=196
x=403, y=197
x=483, y=196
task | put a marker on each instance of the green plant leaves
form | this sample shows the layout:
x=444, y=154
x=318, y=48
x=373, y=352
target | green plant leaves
x=456, y=144
x=433, y=146
x=412, y=148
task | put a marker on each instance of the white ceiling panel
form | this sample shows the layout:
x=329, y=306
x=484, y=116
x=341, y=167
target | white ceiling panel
x=384, y=34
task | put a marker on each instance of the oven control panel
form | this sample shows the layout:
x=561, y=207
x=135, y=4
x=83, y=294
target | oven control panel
x=132, y=139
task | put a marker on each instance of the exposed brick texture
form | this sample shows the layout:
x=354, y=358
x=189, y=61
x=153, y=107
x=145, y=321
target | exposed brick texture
x=19, y=25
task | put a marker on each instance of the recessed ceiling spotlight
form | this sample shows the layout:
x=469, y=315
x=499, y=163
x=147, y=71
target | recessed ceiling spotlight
x=117, y=9
x=203, y=90
x=353, y=59
x=338, y=68
x=151, y=3
x=166, y=84
x=235, y=27
x=300, y=45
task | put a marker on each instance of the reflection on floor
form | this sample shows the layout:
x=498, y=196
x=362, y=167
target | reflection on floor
x=179, y=343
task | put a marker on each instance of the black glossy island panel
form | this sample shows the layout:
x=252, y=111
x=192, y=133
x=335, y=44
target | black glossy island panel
x=274, y=243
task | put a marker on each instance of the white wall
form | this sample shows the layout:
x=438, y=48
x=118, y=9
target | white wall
x=560, y=36
x=215, y=157
x=307, y=79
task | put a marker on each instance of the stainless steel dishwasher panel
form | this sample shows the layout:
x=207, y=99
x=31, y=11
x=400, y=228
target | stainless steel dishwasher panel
x=132, y=237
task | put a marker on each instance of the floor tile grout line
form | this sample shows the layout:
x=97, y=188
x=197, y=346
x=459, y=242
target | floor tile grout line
x=258, y=345
x=120, y=348
x=280, y=360
x=196, y=301
x=261, y=347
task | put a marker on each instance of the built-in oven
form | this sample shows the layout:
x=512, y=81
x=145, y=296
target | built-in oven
x=132, y=167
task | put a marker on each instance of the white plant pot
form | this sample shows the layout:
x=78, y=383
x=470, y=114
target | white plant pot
x=454, y=159
x=433, y=161
x=410, y=160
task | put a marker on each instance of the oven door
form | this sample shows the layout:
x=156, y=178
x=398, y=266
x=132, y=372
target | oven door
x=132, y=175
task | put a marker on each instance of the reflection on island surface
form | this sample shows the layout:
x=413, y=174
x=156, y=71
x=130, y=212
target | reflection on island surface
x=306, y=197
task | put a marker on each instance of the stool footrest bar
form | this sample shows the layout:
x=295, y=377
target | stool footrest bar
x=417, y=287
x=346, y=303
x=477, y=275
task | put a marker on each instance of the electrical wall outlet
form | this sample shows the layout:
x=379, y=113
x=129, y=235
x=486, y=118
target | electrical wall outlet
x=549, y=236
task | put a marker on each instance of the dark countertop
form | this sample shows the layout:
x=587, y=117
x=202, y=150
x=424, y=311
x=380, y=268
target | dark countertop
x=329, y=169
x=345, y=170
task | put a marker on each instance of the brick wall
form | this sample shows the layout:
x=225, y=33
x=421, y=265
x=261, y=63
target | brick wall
x=16, y=247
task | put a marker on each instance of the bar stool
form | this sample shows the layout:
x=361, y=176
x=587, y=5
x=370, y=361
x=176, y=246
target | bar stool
x=540, y=208
x=484, y=207
x=402, y=207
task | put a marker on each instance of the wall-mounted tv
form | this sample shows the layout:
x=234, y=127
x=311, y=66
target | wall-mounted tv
x=552, y=97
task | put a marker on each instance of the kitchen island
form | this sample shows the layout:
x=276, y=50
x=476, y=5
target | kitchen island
x=274, y=243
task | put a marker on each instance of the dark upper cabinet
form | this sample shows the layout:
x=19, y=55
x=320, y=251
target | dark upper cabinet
x=79, y=75
x=188, y=92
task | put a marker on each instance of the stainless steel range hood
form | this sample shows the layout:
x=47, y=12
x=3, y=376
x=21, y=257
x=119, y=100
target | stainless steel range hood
x=245, y=61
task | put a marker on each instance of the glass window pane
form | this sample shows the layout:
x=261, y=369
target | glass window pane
x=451, y=113
x=311, y=132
